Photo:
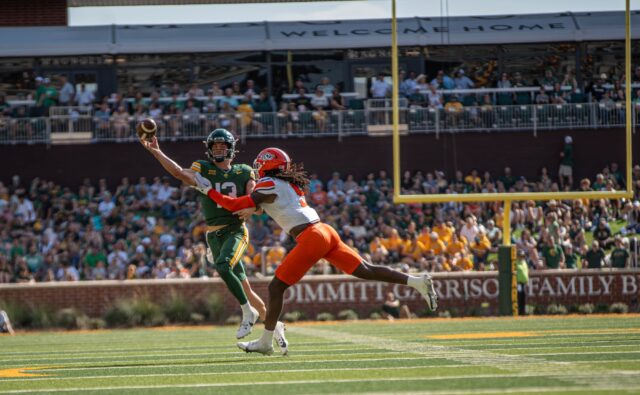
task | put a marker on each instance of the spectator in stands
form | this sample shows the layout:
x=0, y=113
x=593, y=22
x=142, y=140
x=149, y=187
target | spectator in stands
x=235, y=88
x=194, y=92
x=504, y=98
x=66, y=97
x=228, y=99
x=519, y=82
x=602, y=234
x=299, y=84
x=303, y=103
x=570, y=79
x=598, y=90
x=262, y=103
x=24, y=208
x=542, y=97
x=557, y=96
x=619, y=257
x=393, y=309
x=421, y=83
x=325, y=86
x=594, y=257
x=380, y=88
x=227, y=119
x=552, y=254
x=409, y=85
x=617, y=92
x=549, y=80
x=247, y=120
x=435, y=99
x=102, y=118
x=443, y=81
x=454, y=111
x=336, y=101
x=461, y=81
x=215, y=89
x=251, y=89
x=120, y=123
x=84, y=96
x=191, y=118
x=49, y=96
x=494, y=234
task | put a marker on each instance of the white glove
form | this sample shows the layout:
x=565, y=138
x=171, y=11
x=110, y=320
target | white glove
x=203, y=185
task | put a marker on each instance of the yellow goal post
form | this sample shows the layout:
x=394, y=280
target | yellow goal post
x=507, y=198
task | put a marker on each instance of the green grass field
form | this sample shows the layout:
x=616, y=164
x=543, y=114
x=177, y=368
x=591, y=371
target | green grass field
x=551, y=355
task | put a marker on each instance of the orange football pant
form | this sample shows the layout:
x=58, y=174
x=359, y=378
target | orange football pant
x=314, y=243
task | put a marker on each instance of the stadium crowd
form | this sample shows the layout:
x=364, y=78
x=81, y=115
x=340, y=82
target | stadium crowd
x=180, y=109
x=49, y=232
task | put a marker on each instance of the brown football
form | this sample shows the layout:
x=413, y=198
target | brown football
x=146, y=129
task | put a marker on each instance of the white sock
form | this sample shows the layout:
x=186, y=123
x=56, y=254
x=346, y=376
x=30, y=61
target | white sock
x=414, y=282
x=267, y=337
x=246, y=310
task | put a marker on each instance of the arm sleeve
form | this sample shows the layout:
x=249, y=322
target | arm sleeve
x=230, y=203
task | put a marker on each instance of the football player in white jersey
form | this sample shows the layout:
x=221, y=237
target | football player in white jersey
x=280, y=193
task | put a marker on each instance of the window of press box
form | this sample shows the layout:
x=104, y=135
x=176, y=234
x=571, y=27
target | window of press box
x=284, y=77
x=308, y=56
x=478, y=61
x=607, y=57
x=533, y=60
x=17, y=77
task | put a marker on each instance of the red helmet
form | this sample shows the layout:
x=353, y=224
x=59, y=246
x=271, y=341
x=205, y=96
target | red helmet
x=271, y=159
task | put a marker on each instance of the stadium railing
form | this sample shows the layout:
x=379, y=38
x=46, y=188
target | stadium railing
x=370, y=121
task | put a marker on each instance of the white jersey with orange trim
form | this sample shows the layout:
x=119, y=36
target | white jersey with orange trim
x=290, y=208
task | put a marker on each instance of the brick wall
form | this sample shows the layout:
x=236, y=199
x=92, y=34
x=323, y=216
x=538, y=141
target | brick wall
x=313, y=295
x=33, y=13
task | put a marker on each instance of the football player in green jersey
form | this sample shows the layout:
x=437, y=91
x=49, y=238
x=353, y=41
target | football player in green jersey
x=227, y=236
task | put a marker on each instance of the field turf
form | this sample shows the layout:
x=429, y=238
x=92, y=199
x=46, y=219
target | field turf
x=533, y=355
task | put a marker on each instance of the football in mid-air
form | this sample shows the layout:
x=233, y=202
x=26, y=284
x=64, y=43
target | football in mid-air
x=146, y=129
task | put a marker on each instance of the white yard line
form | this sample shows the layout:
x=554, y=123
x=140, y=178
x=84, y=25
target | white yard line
x=236, y=384
x=296, y=382
x=155, y=348
x=211, y=362
x=517, y=364
x=243, y=373
x=344, y=350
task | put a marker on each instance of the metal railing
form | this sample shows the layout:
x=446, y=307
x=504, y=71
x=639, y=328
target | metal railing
x=313, y=123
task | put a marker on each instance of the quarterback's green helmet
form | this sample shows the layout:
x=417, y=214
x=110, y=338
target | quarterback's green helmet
x=221, y=136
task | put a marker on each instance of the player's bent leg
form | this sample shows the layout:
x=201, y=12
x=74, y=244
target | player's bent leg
x=254, y=299
x=368, y=271
x=423, y=284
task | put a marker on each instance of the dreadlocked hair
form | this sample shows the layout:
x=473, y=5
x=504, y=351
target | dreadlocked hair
x=296, y=175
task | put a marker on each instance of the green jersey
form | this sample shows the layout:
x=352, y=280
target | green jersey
x=567, y=157
x=552, y=256
x=619, y=257
x=232, y=183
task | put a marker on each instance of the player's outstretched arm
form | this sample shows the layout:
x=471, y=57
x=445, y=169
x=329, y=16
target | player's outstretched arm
x=230, y=203
x=184, y=175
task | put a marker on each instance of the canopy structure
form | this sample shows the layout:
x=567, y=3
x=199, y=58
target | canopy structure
x=120, y=3
x=270, y=36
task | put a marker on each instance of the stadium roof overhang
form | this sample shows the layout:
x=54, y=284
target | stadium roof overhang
x=301, y=35
x=120, y=3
